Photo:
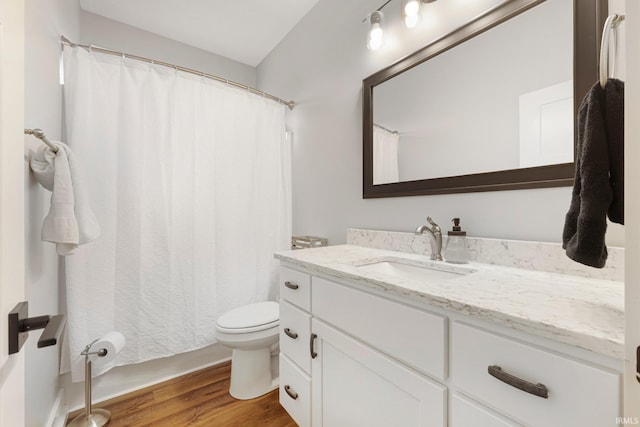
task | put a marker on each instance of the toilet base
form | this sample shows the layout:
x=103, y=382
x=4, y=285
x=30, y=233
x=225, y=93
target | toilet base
x=251, y=375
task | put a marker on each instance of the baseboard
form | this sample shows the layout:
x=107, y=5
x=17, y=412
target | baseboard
x=59, y=411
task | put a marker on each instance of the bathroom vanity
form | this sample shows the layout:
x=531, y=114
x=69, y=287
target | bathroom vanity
x=384, y=338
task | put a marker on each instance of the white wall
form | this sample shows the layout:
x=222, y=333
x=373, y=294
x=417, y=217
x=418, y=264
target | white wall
x=104, y=32
x=320, y=65
x=45, y=21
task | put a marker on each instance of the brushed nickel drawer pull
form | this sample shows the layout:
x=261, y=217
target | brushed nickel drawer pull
x=290, y=334
x=291, y=285
x=539, y=390
x=292, y=394
x=313, y=353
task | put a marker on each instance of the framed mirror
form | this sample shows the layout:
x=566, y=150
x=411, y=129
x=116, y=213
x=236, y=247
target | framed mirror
x=487, y=107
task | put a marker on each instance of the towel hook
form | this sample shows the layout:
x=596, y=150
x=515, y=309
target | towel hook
x=609, y=26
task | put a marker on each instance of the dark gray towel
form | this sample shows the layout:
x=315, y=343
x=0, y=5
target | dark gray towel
x=614, y=123
x=598, y=188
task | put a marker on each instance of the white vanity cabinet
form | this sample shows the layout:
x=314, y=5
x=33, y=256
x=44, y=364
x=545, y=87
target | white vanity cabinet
x=364, y=358
x=357, y=359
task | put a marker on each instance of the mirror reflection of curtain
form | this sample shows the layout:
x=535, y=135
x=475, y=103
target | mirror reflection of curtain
x=385, y=155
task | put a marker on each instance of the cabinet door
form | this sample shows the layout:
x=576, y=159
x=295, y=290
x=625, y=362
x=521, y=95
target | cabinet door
x=354, y=385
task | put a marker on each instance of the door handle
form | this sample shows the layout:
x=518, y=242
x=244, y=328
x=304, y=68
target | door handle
x=20, y=324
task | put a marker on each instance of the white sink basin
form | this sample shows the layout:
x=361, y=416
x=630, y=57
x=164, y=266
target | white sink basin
x=414, y=272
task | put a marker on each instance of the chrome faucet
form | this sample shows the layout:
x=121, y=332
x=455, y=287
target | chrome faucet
x=435, y=238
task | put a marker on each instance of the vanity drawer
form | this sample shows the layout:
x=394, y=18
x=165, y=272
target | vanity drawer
x=295, y=287
x=412, y=336
x=579, y=395
x=295, y=327
x=295, y=392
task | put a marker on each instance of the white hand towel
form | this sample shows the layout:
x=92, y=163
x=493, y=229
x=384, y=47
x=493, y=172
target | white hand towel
x=70, y=223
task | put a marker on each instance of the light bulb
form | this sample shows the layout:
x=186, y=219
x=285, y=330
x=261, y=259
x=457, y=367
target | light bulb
x=376, y=32
x=374, y=43
x=411, y=12
x=411, y=21
x=375, y=37
x=412, y=7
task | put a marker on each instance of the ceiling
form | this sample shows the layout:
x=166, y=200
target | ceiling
x=243, y=30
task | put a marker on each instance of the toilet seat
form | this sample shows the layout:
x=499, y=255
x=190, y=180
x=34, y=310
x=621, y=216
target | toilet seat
x=250, y=318
x=247, y=330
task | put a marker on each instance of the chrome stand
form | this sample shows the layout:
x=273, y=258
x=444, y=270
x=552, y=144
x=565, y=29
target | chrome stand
x=95, y=417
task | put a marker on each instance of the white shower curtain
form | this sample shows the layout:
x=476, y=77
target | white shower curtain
x=385, y=156
x=190, y=181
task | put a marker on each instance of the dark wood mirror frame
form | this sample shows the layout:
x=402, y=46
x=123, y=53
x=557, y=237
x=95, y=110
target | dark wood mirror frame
x=589, y=17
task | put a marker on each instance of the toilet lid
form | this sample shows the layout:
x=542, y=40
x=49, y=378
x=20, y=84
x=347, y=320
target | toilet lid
x=248, y=316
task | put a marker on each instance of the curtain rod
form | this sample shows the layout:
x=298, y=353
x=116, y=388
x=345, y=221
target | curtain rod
x=388, y=130
x=67, y=42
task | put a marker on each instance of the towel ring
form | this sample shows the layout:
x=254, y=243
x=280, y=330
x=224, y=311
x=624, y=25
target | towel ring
x=609, y=26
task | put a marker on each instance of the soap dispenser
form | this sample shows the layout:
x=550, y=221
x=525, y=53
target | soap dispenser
x=456, y=249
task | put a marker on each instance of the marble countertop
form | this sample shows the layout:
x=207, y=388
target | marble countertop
x=586, y=313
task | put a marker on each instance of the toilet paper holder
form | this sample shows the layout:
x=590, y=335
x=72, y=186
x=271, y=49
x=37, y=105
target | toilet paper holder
x=20, y=324
x=91, y=417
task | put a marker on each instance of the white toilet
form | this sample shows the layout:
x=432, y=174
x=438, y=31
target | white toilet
x=252, y=332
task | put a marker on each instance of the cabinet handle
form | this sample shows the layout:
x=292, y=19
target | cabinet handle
x=292, y=394
x=290, y=334
x=291, y=285
x=313, y=353
x=539, y=390
x=638, y=364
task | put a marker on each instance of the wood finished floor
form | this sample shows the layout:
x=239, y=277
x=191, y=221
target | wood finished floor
x=197, y=399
